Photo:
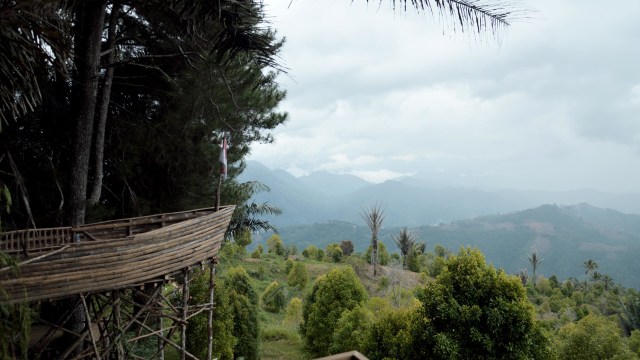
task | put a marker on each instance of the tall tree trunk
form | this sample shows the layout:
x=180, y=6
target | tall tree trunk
x=88, y=40
x=103, y=107
x=89, y=19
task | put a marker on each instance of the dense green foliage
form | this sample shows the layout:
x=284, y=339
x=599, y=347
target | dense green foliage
x=331, y=294
x=197, y=334
x=592, y=338
x=474, y=311
x=244, y=307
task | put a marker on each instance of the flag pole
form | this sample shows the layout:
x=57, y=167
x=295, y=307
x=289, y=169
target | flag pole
x=223, y=168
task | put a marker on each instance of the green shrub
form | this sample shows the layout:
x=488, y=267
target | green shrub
x=288, y=265
x=298, y=276
x=273, y=297
x=383, y=254
x=331, y=294
x=275, y=245
x=310, y=252
x=293, y=311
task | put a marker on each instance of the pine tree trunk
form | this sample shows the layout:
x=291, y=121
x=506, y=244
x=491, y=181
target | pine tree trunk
x=88, y=40
x=103, y=108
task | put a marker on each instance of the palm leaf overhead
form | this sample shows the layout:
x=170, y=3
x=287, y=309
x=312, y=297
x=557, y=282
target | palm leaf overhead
x=479, y=15
x=32, y=33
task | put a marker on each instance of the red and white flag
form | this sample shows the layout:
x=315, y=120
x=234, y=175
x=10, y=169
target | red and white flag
x=223, y=156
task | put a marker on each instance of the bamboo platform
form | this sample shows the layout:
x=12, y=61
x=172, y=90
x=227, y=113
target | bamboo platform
x=56, y=263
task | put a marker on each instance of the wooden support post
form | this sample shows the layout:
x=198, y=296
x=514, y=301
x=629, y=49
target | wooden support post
x=118, y=321
x=212, y=272
x=185, y=309
x=89, y=327
x=161, y=331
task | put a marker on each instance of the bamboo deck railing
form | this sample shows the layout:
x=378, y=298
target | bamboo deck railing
x=59, y=262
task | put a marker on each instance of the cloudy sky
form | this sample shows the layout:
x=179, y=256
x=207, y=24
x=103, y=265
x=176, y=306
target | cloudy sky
x=552, y=103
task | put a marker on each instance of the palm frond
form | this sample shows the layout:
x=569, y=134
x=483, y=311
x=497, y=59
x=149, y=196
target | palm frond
x=479, y=15
x=32, y=34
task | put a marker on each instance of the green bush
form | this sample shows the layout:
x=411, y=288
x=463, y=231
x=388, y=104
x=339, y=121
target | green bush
x=275, y=245
x=474, y=311
x=293, y=311
x=383, y=254
x=298, y=276
x=288, y=265
x=244, y=304
x=334, y=252
x=224, y=341
x=310, y=252
x=331, y=294
x=593, y=337
x=273, y=297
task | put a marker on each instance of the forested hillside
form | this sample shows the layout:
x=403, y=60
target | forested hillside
x=562, y=235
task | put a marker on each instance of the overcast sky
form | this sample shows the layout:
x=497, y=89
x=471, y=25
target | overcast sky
x=553, y=103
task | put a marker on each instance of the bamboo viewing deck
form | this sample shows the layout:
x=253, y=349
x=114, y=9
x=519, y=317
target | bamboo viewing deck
x=56, y=263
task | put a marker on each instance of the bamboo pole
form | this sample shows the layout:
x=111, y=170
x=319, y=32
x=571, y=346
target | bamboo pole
x=89, y=327
x=212, y=272
x=185, y=309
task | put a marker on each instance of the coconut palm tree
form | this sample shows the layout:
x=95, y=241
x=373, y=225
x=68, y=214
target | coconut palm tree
x=589, y=266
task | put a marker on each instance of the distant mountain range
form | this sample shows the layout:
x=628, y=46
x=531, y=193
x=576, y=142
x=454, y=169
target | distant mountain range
x=322, y=208
x=564, y=236
x=322, y=196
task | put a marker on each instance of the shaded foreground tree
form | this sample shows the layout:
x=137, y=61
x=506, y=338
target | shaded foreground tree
x=474, y=311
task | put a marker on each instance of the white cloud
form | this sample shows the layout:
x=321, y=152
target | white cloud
x=554, y=105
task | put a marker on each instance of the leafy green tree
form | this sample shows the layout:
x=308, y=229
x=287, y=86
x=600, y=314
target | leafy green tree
x=275, y=245
x=412, y=260
x=474, y=311
x=390, y=334
x=320, y=255
x=293, y=311
x=243, y=238
x=334, y=251
x=298, y=276
x=244, y=304
x=634, y=342
x=383, y=254
x=331, y=294
x=352, y=330
x=288, y=265
x=593, y=337
x=273, y=297
x=310, y=252
x=256, y=254
x=197, y=334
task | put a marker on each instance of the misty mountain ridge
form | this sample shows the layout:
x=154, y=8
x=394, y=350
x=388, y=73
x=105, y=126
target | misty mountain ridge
x=564, y=237
x=411, y=201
